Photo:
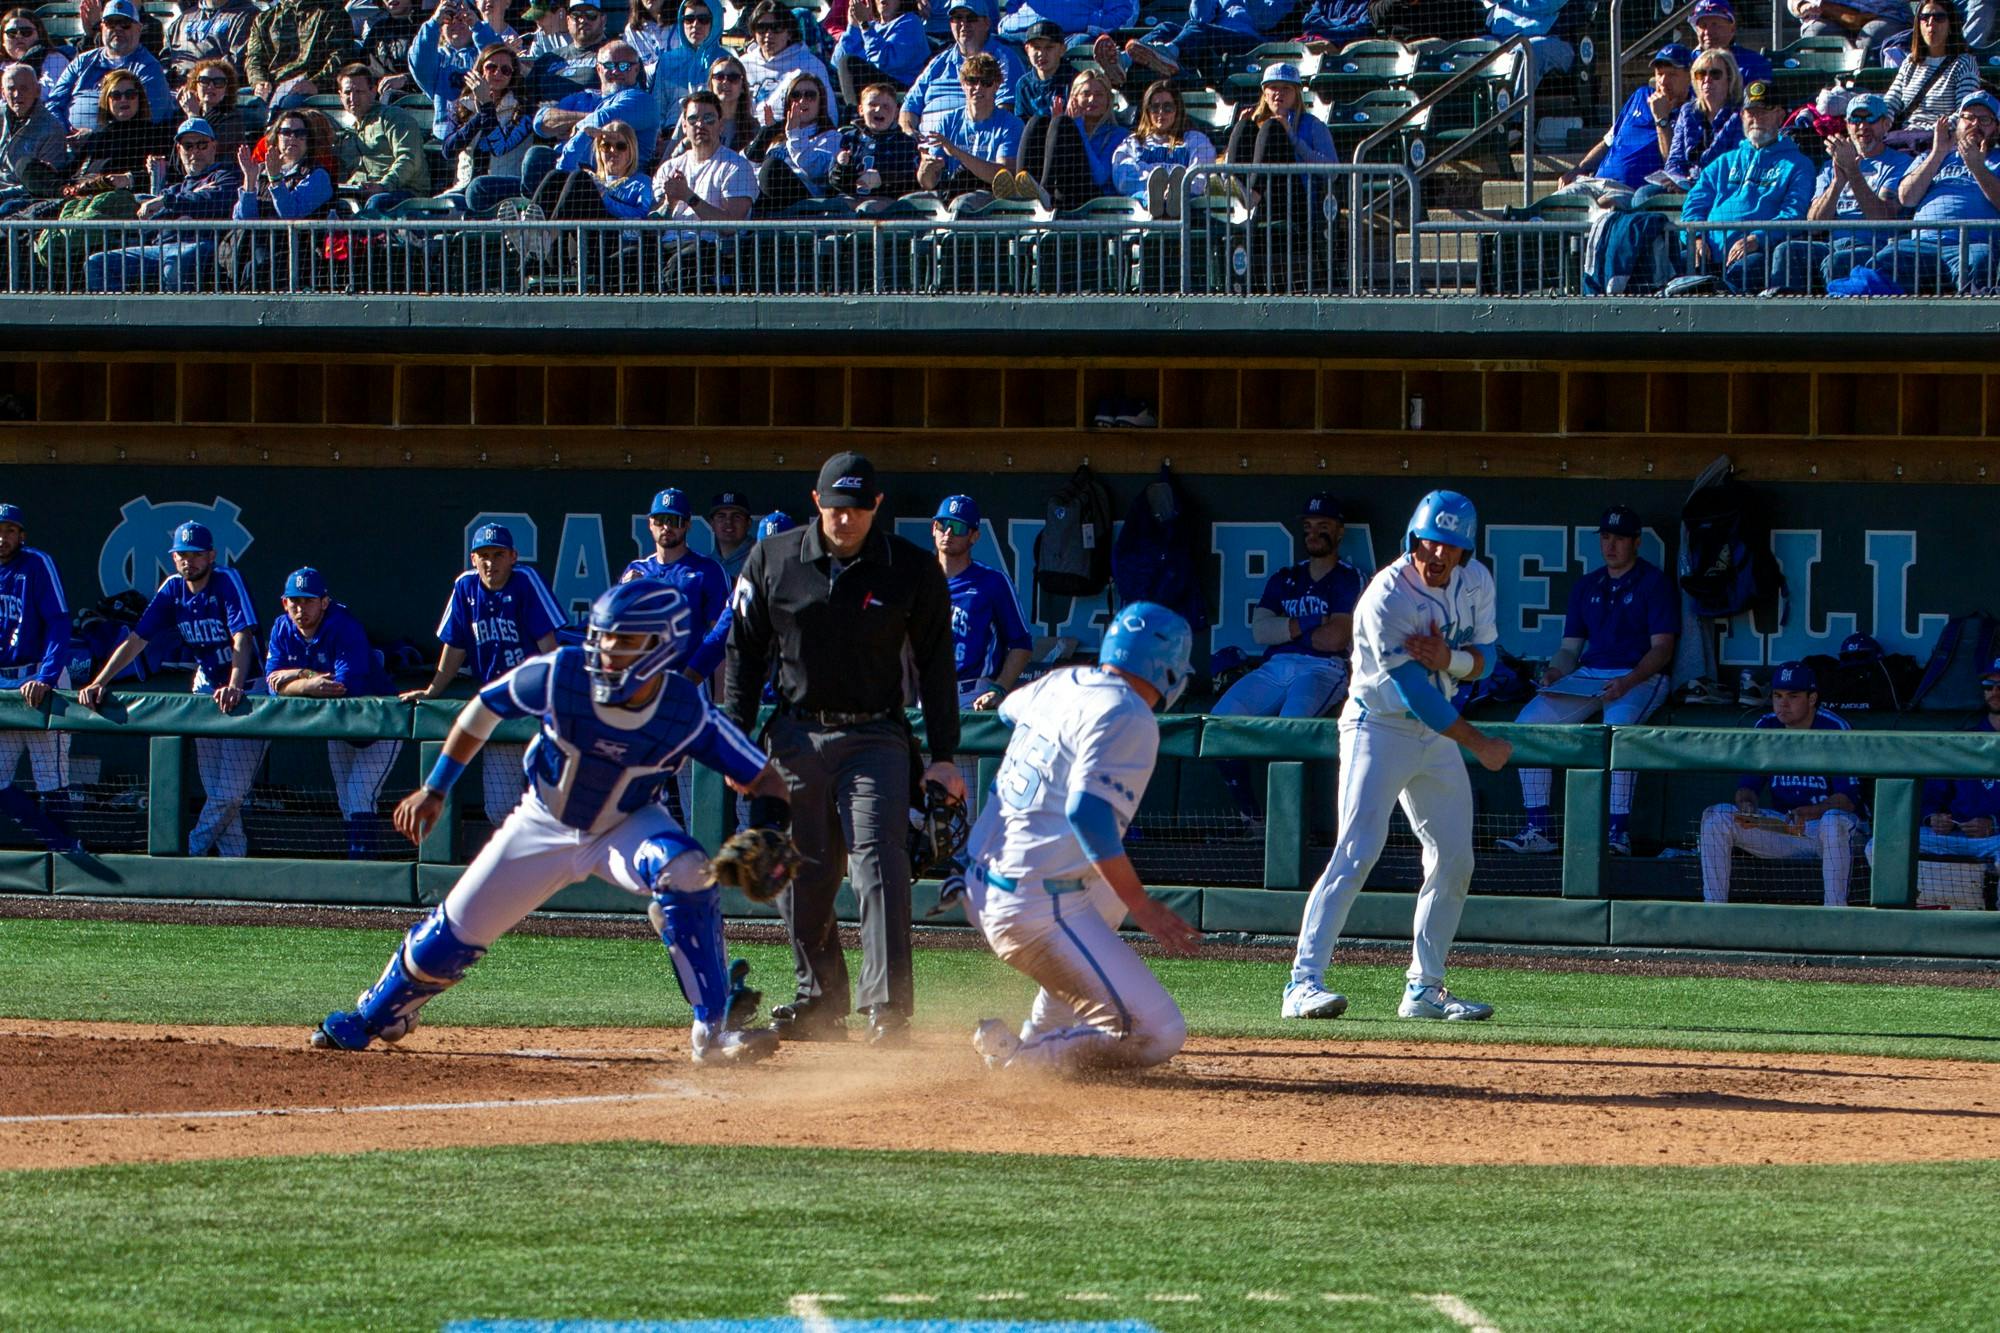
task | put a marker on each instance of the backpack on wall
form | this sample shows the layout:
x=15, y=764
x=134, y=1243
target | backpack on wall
x=1073, y=552
x=1728, y=563
x=1153, y=559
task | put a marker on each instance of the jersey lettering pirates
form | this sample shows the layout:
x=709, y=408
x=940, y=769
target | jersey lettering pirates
x=1397, y=604
x=592, y=764
x=1077, y=731
x=207, y=621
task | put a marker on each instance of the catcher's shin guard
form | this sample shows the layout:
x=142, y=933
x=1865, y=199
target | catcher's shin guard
x=690, y=925
x=428, y=962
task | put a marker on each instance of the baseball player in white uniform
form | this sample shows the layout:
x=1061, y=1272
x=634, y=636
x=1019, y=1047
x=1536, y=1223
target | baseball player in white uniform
x=1050, y=880
x=1424, y=624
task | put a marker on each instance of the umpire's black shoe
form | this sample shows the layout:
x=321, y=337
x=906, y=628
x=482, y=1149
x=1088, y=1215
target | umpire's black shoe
x=887, y=1026
x=808, y=1019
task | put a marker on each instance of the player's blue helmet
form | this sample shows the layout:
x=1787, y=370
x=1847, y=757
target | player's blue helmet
x=1154, y=644
x=775, y=522
x=645, y=607
x=1443, y=516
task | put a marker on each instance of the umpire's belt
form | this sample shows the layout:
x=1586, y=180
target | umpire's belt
x=1048, y=886
x=813, y=719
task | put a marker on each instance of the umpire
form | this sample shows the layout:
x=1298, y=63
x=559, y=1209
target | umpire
x=837, y=602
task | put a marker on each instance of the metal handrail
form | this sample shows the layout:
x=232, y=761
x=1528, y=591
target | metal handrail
x=1195, y=184
x=1524, y=106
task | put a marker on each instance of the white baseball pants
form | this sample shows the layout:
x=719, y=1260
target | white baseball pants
x=358, y=773
x=1289, y=685
x=48, y=751
x=1950, y=883
x=227, y=768
x=1828, y=840
x=1555, y=709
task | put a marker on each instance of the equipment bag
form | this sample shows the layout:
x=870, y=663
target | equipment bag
x=1153, y=558
x=1729, y=564
x=1961, y=655
x=1885, y=685
x=1626, y=253
x=1073, y=552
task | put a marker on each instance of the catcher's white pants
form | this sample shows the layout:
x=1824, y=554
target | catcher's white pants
x=1289, y=685
x=1828, y=840
x=358, y=773
x=1556, y=709
x=502, y=778
x=1100, y=1006
x=48, y=751
x=1950, y=883
x=227, y=767
x=533, y=855
x=1385, y=759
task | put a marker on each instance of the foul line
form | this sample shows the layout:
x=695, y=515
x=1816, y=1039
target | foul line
x=805, y=1307
x=1456, y=1310
x=257, y=1112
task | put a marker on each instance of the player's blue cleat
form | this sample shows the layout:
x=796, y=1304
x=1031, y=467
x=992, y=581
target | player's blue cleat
x=1437, y=1002
x=342, y=1031
x=428, y=962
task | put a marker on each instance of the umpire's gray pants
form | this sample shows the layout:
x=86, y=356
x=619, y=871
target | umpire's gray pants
x=850, y=811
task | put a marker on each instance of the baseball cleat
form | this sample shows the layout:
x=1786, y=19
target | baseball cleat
x=1620, y=843
x=808, y=1019
x=1309, y=999
x=1529, y=839
x=993, y=1040
x=1437, y=1002
x=736, y=1046
x=340, y=1032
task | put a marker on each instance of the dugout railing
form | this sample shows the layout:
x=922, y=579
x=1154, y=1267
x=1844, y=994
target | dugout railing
x=1586, y=911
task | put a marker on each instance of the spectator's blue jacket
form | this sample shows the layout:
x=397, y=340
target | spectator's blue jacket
x=1036, y=96
x=1101, y=146
x=634, y=106
x=1251, y=18
x=1750, y=184
x=937, y=90
x=679, y=69
x=1340, y=20
x=1698, y=140
x=209, y=195
x=1527, y=18
x=74, y=98
x=626, y=196
x=898, y=48
x=301, y=194
x=1074, y=17
x=440, y=70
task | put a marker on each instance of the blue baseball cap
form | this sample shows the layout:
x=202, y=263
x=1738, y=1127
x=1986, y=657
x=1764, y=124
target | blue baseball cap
x=1980, y=98
x=194, y=125
x=1795, y=676
x=1867, y=109
x=1860, y=648
x=306, y=582
x=119, y=9
x=1991, y=676
x=773, y=523
x=961, y=507
x=729, y=500
x=1675, y=54
x=672, y=500
x=191, y=537
x=13, y=514
x=1620, y=521
x=1705, y=9
x=492, y=534
x=1282, y=72
x=1323, y=505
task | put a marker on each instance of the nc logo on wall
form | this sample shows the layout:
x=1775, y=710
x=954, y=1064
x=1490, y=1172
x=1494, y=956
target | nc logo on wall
x=135, y=555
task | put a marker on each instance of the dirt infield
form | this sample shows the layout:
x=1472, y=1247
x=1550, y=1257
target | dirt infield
x=75, y=1094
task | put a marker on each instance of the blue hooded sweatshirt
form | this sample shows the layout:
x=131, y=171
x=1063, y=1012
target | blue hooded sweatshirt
x=1750, y=184
x=674, y=67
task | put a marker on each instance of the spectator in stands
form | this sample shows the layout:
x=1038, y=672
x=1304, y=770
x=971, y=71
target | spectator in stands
x=729, y=525
x=1215, y=34
x=210, y=95
x=1338, y=22
x=113, y=156
x=571, y=65
x=89, y=13
x=1636, y=145
x=612, y=186
x=34, y=151
x=1066, y=158
x=25, y=41
x=1867, y=23
x=1279, y=129
x=1715, y=30
x=386, y=46
x=1807, y=817
x=1536, y=21
x=489, y=130
x=1041, y=91
x=1153, y=162
x=977, y=141
x=1955, y=182
x=1709, y=124
x=1938, y=73
x=1080, y=20
x=731, y=87
x=876, y=159
x=295, y=49
x=1961, y=817
x=775, y=51
x=381, y=150
x=677, y=59
x=706, y=180
x=1764, y=178
x=939, y=91
x=204, y=189
x=550, y=20
x=1305, y=622
x=209, y=30
x=884, y=42
x=320, y=651
x=795, y=157
x=581, y=118
x=289, y=183
x=442, y=55
x=494, y=14
x=74, y=99
x=1859, y=180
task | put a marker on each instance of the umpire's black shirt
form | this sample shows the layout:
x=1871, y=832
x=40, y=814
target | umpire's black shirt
x=839, y=637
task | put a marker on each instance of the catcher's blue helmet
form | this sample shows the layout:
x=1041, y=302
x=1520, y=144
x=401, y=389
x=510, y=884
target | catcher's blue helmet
x=1443, y=516
x=641, y=607
x=1154, y=644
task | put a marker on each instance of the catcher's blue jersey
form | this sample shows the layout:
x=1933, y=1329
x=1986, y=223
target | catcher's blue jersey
x=592, y=764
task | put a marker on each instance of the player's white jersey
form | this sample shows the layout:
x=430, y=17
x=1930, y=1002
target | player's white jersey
x=1398, y=603
x=1078, y=730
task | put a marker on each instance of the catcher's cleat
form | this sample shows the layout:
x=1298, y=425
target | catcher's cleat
x=734, y=1047
x=743, y=1000
x=341, y=1032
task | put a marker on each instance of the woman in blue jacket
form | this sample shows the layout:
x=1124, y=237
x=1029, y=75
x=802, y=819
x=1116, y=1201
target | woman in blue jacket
x=1707, y=125
x=288, y=184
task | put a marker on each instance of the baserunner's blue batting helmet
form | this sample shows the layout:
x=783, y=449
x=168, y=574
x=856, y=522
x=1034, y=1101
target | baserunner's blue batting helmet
x=1443, y=516
x=1154, y=644
x=644, y=607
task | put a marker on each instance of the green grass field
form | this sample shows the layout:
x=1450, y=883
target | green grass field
x=645, y=1232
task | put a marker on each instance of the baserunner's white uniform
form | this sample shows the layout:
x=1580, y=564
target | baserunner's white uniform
x=1034, y=892
x=1387, y=755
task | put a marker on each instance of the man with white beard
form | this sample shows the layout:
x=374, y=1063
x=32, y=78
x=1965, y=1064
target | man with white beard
x=1764, y=178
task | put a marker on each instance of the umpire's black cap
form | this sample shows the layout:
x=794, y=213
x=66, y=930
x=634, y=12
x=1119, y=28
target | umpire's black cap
x=846, y=481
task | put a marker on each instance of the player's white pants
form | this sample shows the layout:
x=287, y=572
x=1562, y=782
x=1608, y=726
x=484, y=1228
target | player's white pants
x=48, y=751
x=358, y=773
x=1828, y=840
x=227, y=767
x=534, y=854
x=1100, y=1006
x=1400, y=759
x=1289, y=685
x=1950, y=883
x=1628, y=710
x=502, y=778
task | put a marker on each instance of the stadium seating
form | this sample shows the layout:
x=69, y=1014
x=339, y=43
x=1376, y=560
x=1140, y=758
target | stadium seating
x=1809, y=64
x=1362, y=67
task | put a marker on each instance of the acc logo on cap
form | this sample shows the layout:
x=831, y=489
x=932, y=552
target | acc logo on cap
x=850, y=482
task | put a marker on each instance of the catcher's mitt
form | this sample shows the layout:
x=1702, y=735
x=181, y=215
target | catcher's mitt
x=937, y=838
x=760, y=861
